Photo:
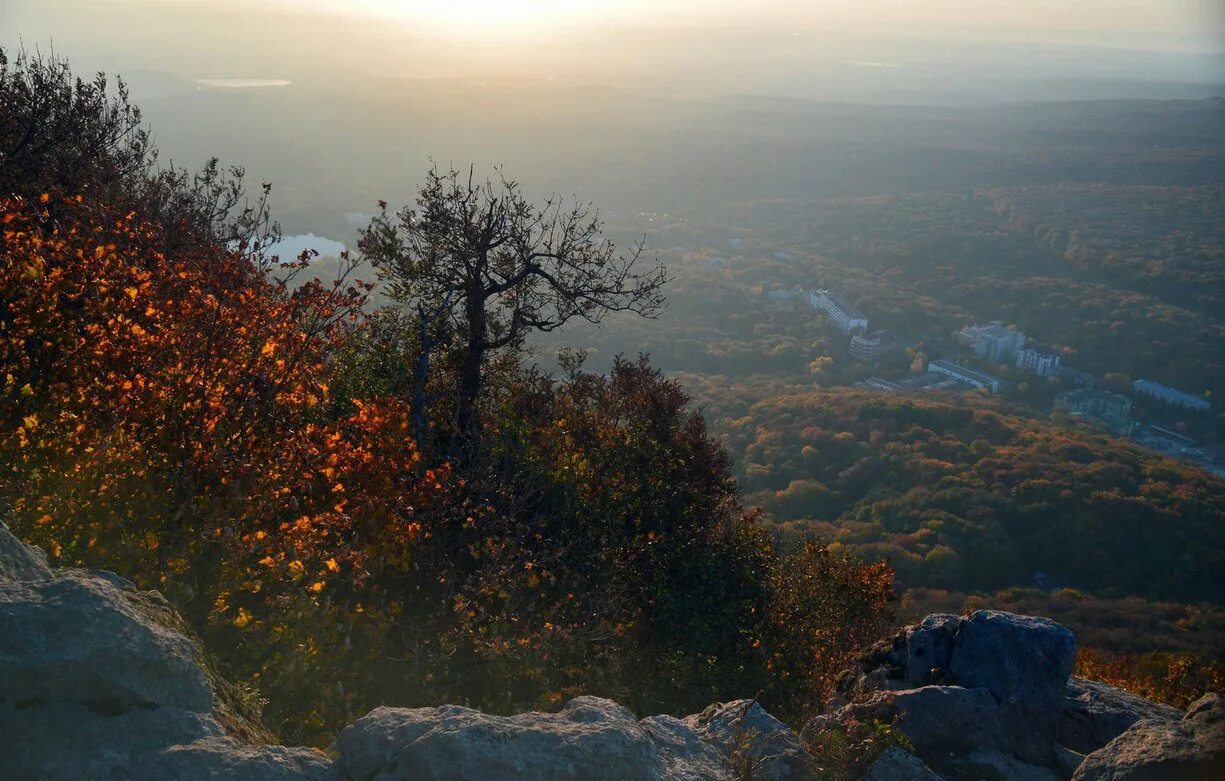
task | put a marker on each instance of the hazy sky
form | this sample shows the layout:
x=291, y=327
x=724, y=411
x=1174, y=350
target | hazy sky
x=1196, y=23
x=759, y=46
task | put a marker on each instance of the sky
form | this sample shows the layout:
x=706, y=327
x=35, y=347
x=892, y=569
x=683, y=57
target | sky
x=696, y=46
x=1195, y=24
x=1183, y=24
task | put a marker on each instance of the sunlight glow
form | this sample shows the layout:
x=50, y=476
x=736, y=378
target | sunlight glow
x=494, y=17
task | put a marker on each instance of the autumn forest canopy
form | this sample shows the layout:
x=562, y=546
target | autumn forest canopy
x=387, y=476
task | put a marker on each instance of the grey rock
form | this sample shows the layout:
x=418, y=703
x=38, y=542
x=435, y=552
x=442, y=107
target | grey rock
x=1095, y=714
x=69, y=741
x=99, y=681
x=686, y=757
x=995, y=766
x=590, y=738
x=1192, y=749
x=895, y=764
x=929, y=648
x=935, y=719
x=948, y=718
x=1067, y=761
x=19, y=561
x=746, y=734
x=74, y=638
x=1025, y=663
x=225, y=758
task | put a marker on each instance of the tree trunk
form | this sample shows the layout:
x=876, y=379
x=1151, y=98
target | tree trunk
x=466, y=419
x=421, y=380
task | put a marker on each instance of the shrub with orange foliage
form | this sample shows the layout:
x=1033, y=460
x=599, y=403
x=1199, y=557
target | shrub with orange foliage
x=165, y=417
x=189, y=381
x=1174, y=678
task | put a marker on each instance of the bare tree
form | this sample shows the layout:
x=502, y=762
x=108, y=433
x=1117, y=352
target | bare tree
x=505, y=267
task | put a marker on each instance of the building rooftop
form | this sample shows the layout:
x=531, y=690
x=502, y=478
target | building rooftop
x=1148, y=386
x=934, y=381
x=995, y=327
x=844, y=306
x=984, y=378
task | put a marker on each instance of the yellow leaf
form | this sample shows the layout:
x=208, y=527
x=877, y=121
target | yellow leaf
x=332, y=565
x=242, y=619
x=316, y=587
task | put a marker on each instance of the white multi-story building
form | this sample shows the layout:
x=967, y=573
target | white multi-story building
x=1036, y=361
x=970, y=377
x=844, y=316
x=1170, y=395
x=870, y=347
x=992, y=341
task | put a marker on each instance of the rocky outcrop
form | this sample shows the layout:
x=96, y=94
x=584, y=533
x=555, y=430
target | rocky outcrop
x=98, y=682
x=895, y=764
x=936, y=720
x=101, y=681
x=753, y=741
x=990, y=696
x=591, y=738
x=1025, y=663
x=1095, y=714
x=1190, y=749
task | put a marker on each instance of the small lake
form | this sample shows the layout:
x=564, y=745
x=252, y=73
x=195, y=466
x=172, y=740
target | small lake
x=290, y=247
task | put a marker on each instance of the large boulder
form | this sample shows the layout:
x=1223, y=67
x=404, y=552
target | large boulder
x=995, y=766
x=929, y=649
x=948, y=718
x=895, y=764
x=590, y=738
x=1025, y=663
x=1192, y=749
x=757, y=744
x=685, y=756
x=100, y=681
x=936, y=720
x=76, y=638
x=1095, y=714
x=19, y=561
x=1022, y=662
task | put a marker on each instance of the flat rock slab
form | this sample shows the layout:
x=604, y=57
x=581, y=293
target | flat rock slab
x=1095, y=714
x=1192, y=749
x=590, y=738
